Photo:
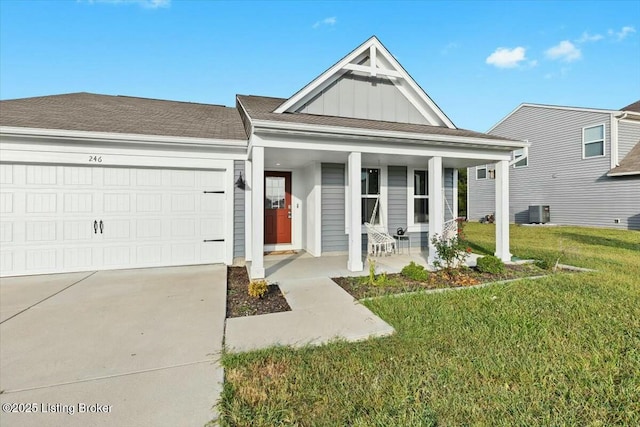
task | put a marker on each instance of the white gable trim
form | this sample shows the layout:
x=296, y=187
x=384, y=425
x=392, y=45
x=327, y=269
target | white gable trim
x=375, y=50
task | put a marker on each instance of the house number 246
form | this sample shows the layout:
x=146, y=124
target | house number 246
x=95, y=159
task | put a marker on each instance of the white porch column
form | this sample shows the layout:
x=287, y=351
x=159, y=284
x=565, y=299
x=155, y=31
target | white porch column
x=248, y=228
x=354, y=219
x=502, y=210
x=257, y=208
x=436, y=204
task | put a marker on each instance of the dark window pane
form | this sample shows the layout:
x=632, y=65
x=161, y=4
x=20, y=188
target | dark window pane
x=367, y=210
x=420, y=186
x=523, y=162
x=374, y=181
x=481, y=173
x=420, y=211
x=594, y=149
x=363, y=181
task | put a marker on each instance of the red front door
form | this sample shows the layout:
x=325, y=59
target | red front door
x=277, y=207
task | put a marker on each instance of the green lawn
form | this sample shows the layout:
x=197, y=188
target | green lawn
x=563, y=350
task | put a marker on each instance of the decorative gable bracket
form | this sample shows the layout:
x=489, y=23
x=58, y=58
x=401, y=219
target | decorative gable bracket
x=372, y=59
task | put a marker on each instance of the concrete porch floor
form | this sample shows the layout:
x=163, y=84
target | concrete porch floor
x=304, y=266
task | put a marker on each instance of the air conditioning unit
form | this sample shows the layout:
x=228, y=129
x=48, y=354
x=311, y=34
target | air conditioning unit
x=539, y=214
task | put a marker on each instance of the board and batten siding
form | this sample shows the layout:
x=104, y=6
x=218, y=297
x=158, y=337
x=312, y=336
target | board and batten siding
x=364, y=97
x=238, y=212
x=334, y=238
x=577, y=190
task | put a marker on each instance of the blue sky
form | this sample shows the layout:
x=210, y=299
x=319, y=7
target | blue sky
x=477, y=60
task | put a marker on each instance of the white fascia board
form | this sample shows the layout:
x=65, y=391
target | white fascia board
x=323, y=78
x=624, y=173
x=357, y=133
x=382, y=147
x=121, y=137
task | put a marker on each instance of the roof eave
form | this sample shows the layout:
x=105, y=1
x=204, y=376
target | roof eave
x=120, y=137
x=629, y=173
x=409, y=137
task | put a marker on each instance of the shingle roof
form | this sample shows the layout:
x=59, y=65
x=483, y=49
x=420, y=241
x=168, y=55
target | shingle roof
x=635, y=107
x=630, y=165
x=261, y=108
x=123, y=114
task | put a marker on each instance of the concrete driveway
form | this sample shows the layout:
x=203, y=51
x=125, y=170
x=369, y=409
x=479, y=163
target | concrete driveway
x=112, y=348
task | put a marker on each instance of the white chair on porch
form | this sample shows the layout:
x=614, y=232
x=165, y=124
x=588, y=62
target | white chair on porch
x=378, y=240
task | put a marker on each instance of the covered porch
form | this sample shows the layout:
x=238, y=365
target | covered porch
x=302, y=265
x=331, y=193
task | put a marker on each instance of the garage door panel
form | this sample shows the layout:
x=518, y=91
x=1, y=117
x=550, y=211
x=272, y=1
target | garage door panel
x=117, y=202
x=151, y=217
x=183, y=203
x=78, y=202
x=6, y=232
x=183, y=228
x=6, y=202
x=6, y=174
x=41, y=203
x=78, y=230
x=212, y=252
x=41, y=231
x=149, y=255
x=117, y=177
x=149, y=202
x=40, y=259
x=41, y=175
x=78, y=258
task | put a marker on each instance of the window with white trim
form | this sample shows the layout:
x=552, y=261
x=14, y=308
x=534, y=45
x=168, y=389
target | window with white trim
x=370, y=188
x=593, y=141
x=420, y=197
x=520, y=163
x=485, y=172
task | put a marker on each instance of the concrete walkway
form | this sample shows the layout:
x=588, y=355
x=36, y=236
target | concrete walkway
x=321, y=312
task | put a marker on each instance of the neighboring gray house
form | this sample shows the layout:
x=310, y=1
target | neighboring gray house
x=583, y=163
x=93, y=182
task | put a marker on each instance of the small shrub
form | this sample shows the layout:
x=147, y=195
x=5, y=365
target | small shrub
x=258, y=288
x=491, y=264
x=548, y=262
x=415, y=272
x=452, y=251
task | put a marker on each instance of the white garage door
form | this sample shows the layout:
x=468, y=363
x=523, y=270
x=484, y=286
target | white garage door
x=64, y=218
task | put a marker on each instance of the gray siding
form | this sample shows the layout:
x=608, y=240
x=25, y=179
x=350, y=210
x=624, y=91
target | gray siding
x=628, y=137
x=238, y=212
x=334, y=238
x=448, y=194
x=481, y=194
x=364, y=97
x=577, y=190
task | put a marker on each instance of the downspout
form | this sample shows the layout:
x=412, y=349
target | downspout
x=615, y=161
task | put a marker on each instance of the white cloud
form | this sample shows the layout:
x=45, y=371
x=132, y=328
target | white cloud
x=586, y=37
x=449, y=47
x=623, y=33
x=504, y=57
x=330, y=21
x=148, y=4
x=564, y=51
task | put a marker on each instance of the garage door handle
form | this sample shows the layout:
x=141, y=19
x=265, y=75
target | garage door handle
x=95, y=227
x=101, y=226
x=213, y=240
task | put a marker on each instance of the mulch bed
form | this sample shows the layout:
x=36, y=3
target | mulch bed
x=359, y=287
x=240, y=303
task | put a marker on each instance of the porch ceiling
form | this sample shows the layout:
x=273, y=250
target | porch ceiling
x=291, y=158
